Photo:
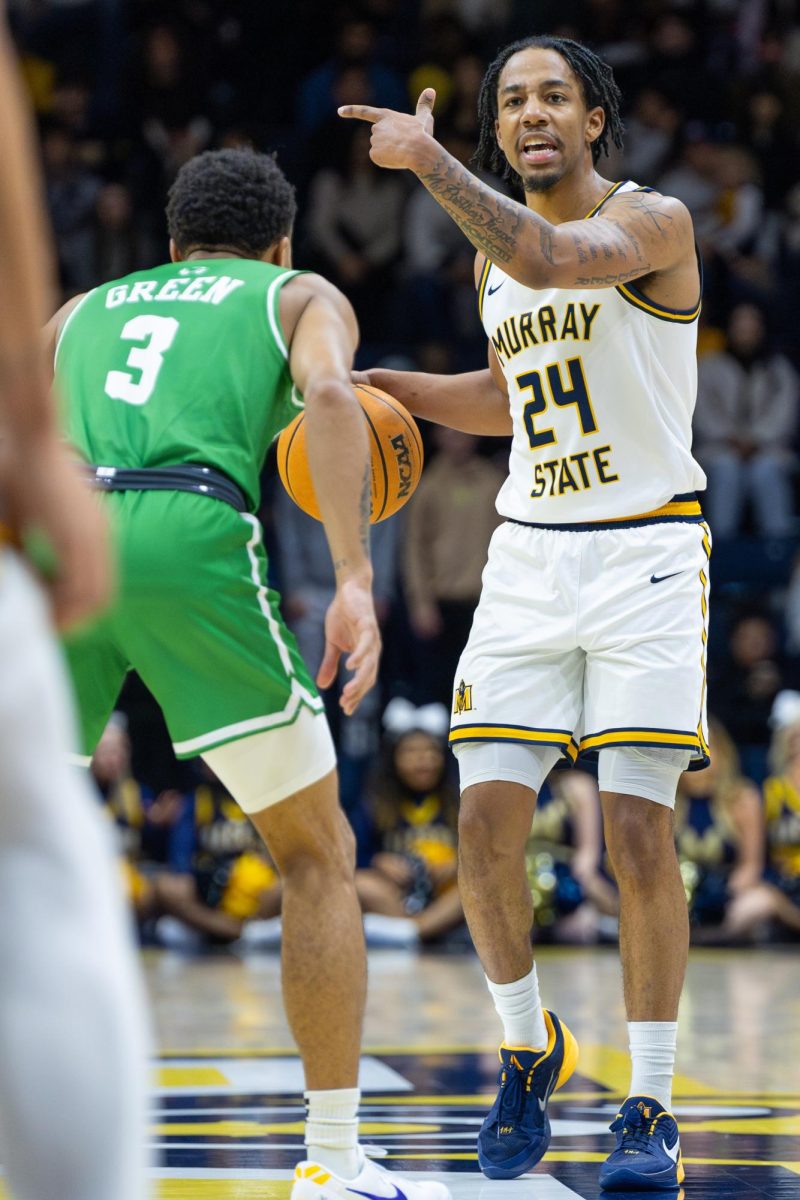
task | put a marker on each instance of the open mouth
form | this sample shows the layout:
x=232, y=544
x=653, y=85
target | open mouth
x=537, y=149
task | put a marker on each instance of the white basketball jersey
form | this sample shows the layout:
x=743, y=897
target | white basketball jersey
x=602, y=385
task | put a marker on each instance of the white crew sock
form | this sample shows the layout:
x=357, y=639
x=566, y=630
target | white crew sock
x=332, y=1130
x=652, y=1046
x=520, y=1009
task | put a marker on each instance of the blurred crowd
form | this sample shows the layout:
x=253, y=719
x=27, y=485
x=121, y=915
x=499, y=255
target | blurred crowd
x=199, y=876
x=126, y=91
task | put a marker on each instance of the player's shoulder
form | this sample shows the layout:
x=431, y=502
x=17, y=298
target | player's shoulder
x=657, y=209
x=480, y=263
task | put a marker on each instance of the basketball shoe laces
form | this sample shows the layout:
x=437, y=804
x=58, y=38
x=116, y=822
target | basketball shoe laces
x=512, y=1097
x=636, y=1129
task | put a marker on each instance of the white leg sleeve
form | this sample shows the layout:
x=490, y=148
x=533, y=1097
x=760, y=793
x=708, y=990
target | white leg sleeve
x=72, y=1029
x=514, y=762
x=652, y=773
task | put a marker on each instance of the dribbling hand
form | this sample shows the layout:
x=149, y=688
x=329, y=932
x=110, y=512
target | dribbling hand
x=351, y=628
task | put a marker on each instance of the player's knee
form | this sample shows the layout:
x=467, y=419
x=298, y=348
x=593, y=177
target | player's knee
x=323, y=848
x=639, y=837
x=483, y=839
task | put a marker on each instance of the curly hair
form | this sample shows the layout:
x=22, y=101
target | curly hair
x=233, y=198
x=599, y=91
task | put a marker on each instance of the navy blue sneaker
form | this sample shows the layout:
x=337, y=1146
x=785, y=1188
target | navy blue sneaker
x=648, y=1153
x=516, y=1133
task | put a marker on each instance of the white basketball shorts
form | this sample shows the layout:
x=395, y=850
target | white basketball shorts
x=589, y=639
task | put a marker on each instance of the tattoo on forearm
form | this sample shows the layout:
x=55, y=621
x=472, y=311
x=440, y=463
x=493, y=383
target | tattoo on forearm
x=502, y=229
x=608, y=280
x=491, y=222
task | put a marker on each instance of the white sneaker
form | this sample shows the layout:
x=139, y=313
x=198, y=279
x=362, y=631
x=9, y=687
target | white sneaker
x=390, y=931
x=260, y=935
x=315, y=1182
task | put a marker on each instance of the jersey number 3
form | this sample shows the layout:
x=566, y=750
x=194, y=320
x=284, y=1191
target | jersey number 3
x=157, y=335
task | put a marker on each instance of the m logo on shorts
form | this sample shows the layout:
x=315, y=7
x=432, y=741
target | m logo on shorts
x=463, y=698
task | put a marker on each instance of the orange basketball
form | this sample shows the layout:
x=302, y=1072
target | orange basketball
x=395, y=446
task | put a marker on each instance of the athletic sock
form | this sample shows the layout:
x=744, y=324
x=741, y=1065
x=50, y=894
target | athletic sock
x=520, y=1009
x=332, y=1130
x=652, y=1046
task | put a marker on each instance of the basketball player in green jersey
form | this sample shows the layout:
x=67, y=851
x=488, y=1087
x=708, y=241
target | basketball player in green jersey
x=176, y=380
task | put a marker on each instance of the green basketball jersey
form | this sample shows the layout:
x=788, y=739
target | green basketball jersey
x=184, y=363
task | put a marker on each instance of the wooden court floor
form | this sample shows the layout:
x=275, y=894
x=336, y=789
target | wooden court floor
x=227, y=1118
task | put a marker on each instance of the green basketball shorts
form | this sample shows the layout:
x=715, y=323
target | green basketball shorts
x=195, y=618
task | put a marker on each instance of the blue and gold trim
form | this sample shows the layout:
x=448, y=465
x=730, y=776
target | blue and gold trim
x=486, y=732
x=615, y=187
x=684, y=509
x=484, y=275
x=675, y=739
x=638, y=299
x=699, y=763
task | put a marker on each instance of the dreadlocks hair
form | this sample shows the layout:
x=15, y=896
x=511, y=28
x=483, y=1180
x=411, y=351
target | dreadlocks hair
x=599, y=91
x=232, y=198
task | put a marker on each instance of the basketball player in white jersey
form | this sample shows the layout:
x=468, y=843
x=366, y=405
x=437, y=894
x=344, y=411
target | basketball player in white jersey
x=72, y=1029
x=591, y=629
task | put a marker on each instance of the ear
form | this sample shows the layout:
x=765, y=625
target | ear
x=595, y=124
x=174, y=252
x=279, y=253
x=497, y=135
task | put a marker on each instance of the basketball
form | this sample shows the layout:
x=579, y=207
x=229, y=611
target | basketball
x=395, y=449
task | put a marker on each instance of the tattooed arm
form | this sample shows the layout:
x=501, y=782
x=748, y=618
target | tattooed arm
x=639, y=233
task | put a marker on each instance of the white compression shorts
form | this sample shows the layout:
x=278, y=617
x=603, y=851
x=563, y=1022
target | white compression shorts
x=265, y=768
x=652, y=773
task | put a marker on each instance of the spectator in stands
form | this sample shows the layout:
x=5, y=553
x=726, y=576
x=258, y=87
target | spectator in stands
x=777, y=898
x=410, y=888
x=147, y=827
x=740, y=203
x=119, y=246
x=650, y=134
x=168, y=109
x=743, y=688
x=787, y=270
x=768, y=133
x=223, y=879
x=719, y=832
x=745, y=420
x=355, y=48
x=693, y=178
x=572, y=898
x=451, y=519
x=353, y=226
x=71, y=192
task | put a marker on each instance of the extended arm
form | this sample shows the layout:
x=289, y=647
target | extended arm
x=475, y=402
x=322, y=345
x=638, y=234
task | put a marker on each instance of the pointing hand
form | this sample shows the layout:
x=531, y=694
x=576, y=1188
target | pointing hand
x=399, y=141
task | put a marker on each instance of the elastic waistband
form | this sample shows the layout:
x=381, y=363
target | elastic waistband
x=203, y=481
x=684, y=509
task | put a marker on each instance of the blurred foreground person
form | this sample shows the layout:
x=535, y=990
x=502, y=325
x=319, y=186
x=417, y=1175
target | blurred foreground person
x=72, y=1032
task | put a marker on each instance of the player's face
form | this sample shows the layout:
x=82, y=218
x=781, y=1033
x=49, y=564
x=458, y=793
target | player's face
x=543, y=126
